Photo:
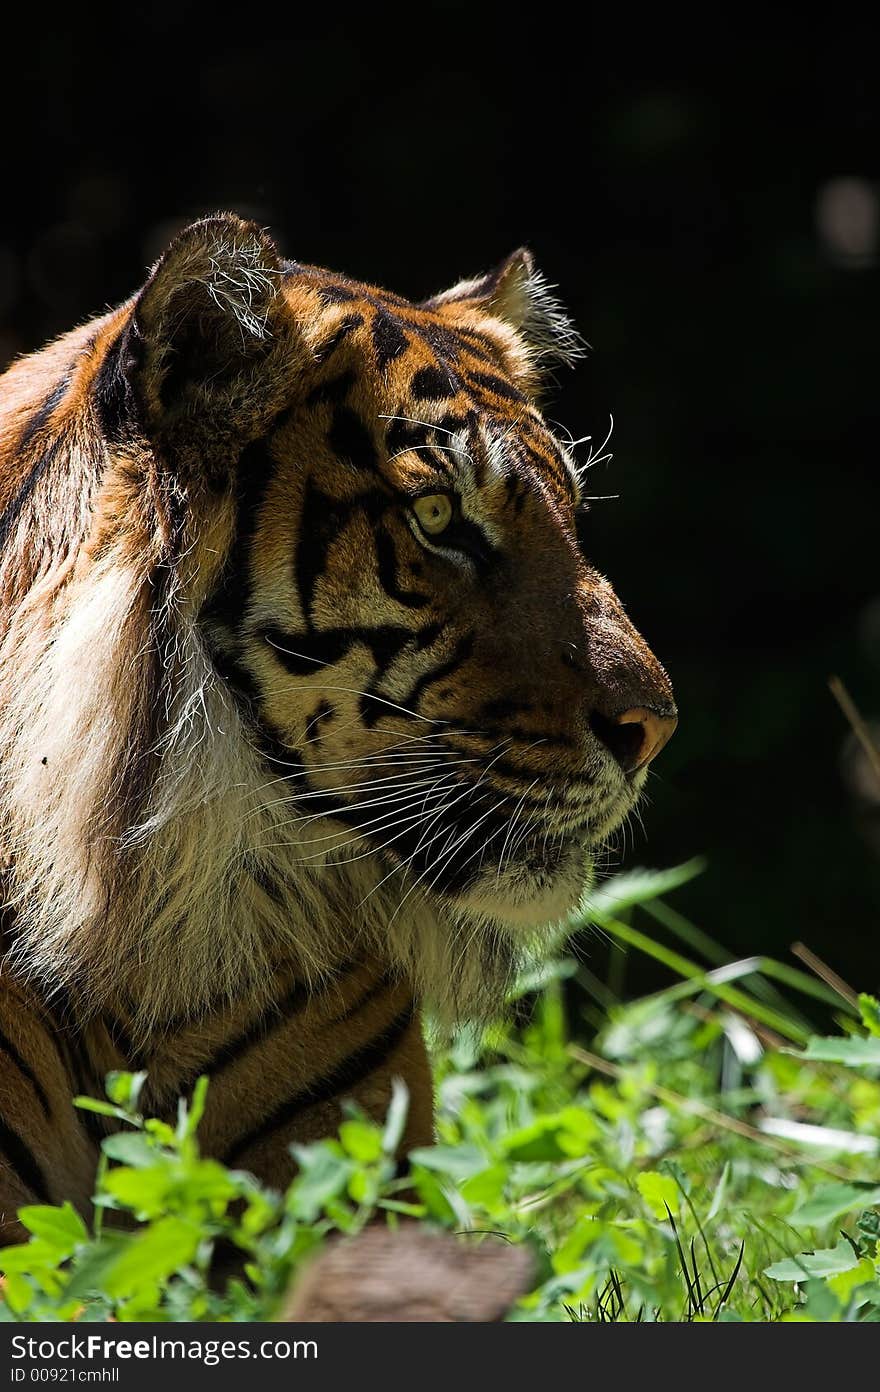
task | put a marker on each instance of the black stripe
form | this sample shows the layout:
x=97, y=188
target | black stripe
x=405, y=435
x=428, y=635
x=321, y=521
x=23, y=1162
x=479, y=346
x=446, y=343
x=328, y=348
x=69, y=1044
x=345, y=1076
x=334, y=389
x=466, y=536
x=548, y=464
x=36, y=423
x=349, y=437
x=496, y=385
x=242, y=683
x=296, y=999
x=237, y=1046
x=389, y=339
x=123, y=1042
x=300, y=653
x=434, y=384
x=273, y=1018
x=374, y=989
x=504, y=708
x=463, y=649
x=24, y=1067
x=85, y=1081
x=255, y=470
x=118, y=410
x=438, y=461
x=386, y=558
x=334, y=293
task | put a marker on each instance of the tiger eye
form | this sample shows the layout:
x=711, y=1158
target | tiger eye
x=433, y=512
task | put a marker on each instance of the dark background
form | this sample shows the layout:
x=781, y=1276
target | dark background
x=708, y=204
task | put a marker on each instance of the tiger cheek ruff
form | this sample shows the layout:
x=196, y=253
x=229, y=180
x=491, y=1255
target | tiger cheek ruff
x=313, y=709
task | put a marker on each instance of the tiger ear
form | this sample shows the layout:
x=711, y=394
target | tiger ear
x=207, y=337
x=518, y=294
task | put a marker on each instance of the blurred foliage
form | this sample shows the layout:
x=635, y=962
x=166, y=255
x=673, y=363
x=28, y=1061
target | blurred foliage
x=695, y=1164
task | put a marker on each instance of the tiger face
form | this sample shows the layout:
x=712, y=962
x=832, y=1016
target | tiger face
x=389, y=572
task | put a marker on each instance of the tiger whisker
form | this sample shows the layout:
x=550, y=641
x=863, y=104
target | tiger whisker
x=398, y=817
x=368, y=760
x=406, y=792
x=431, y=842
x=393, y=812
x=411, y=420
x=412, y=449
x=516, y=812
x=401, y=779
x=403, y=773
x=404, y=865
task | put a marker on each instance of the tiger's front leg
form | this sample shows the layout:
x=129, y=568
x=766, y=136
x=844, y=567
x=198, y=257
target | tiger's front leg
x=284, y=1081
x=47, y=1153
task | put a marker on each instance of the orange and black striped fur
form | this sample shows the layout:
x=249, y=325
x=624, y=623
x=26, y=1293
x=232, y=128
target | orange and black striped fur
x=311, y=707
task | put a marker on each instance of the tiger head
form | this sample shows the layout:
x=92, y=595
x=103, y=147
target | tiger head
x=423, y=645
x=376, y=538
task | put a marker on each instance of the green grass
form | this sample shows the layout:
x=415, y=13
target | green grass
x=699, y=1154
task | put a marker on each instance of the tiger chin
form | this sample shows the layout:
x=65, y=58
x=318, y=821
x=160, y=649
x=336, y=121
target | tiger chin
x=313, y=711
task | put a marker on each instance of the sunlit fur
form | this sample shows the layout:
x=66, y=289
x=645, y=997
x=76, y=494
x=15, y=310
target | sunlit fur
x=158, y=849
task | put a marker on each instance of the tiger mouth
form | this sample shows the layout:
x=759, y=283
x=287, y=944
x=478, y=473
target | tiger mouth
x=482, y=847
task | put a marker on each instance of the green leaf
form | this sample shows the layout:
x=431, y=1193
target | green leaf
x=832, y=1201
x=196, y=1108
x=659, y=1192
x=18, y=1292
x=395, y=1121
x=107, y=1109
x=362, y=1140
x=156, y=1254
x=536, y=978
x=457, y=1162
x=363, y=1187
x=636, y=886
x=561, y=1136
x=829, y=1261
x=436, y=1197
x=91, y=1265
x=720, y=1193
x=61, y=1227
x=124, y=1089
x=854, y=1051
x=30, y=1256
x=486, y=1188
x=862, y=1274
x=143, y=1191
x=323, y=1176
x=869, y=1007
x=130, y=1148
x=163, y=1133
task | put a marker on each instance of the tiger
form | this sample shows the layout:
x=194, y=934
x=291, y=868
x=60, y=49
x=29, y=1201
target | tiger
x=313, y=712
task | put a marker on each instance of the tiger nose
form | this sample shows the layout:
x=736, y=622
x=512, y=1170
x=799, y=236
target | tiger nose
x=635, y=736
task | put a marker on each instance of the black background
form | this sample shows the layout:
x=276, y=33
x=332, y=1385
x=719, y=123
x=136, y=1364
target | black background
x=672, y=184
